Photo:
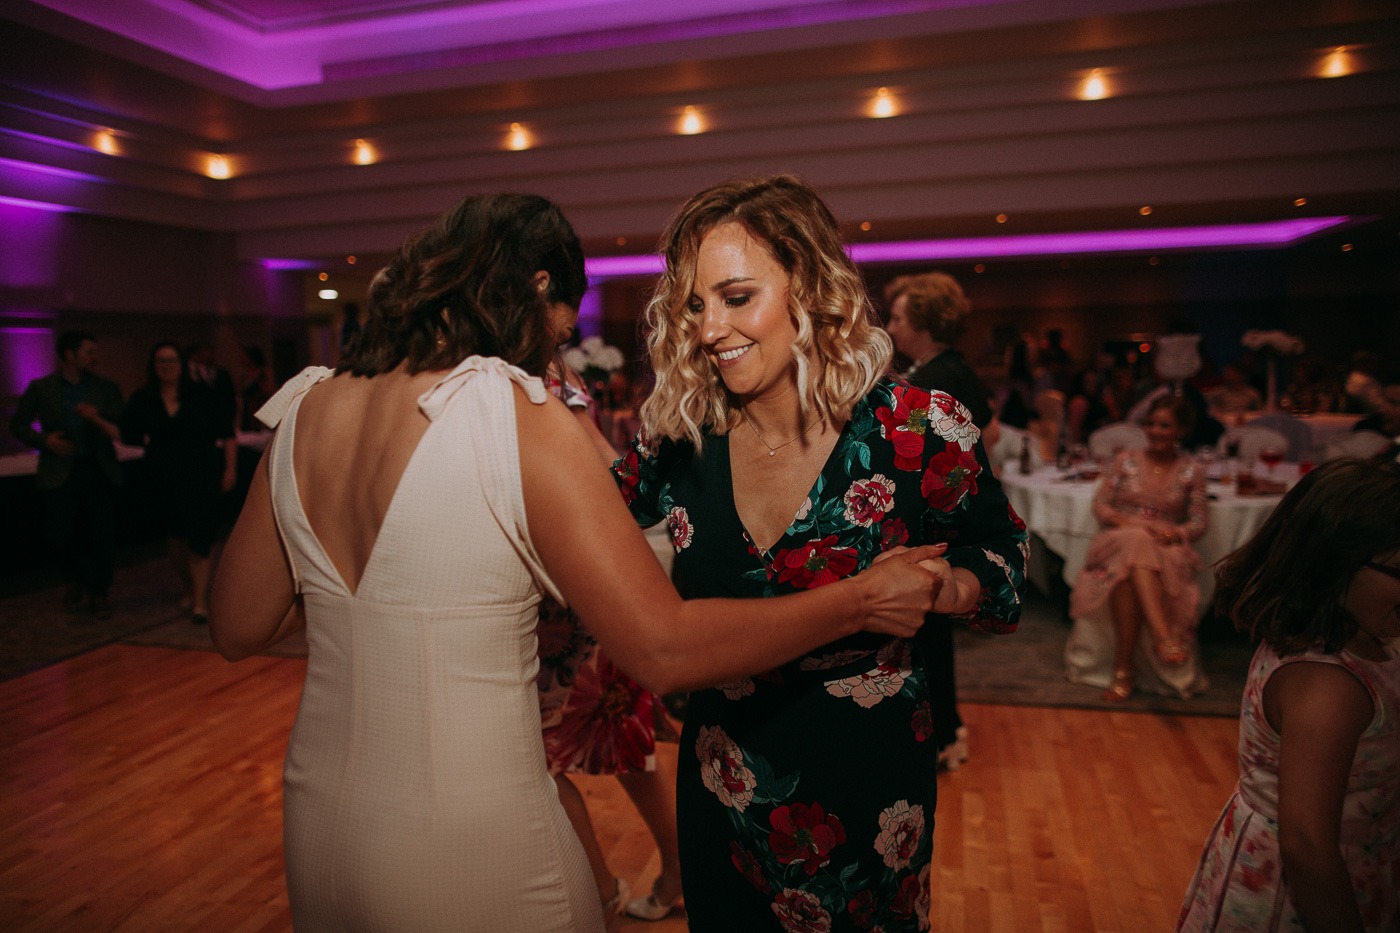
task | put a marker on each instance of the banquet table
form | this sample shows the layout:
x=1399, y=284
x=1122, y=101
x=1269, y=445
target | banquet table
x=1321, y=428
x=1058, y=509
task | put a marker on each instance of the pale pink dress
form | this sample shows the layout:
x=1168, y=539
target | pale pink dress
x=1239, y=886
x=1112, y=555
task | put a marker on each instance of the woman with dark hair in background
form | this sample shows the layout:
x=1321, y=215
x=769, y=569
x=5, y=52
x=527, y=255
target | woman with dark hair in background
x=191, y=458
x=416, y=795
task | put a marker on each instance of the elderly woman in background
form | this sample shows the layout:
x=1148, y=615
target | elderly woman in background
x=783, y=460
x=928, y=314
x=1141, y=569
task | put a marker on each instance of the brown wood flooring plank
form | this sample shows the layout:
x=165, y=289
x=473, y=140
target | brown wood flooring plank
x=140, y=789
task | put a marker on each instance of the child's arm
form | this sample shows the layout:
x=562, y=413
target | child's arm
x=1320, y=711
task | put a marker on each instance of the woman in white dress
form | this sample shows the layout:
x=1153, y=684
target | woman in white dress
x=415, y=789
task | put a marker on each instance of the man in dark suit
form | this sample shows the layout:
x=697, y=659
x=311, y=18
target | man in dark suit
x=927, y=316
x=77, y=413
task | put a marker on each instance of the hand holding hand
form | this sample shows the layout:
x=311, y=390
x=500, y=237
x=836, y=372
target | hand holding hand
x=902, y=586
x=86, y=410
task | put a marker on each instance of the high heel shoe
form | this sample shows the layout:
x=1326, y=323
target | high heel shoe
x=1170, y=651
x=1121, y=688
x=651, y=907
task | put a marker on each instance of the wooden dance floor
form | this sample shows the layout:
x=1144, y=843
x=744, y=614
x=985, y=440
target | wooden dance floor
x=141, y=791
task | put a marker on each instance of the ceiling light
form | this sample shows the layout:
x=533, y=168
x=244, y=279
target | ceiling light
x=1145, y=210
x=324, y=276
x=217, y=167
x=518, y=138
x=364, y=153
x=1337, y=64
x=1095, y=86
x=1001, y=218
x=865, y=226
x=351, y=260
x=106, y=141
x=1299, y=202
x=328, y=294
x=691, y=122
x=883, y=104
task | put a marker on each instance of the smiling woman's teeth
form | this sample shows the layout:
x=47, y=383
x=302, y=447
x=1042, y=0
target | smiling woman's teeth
x=727, y=355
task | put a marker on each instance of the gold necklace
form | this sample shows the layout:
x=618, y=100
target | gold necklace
x=773, y=451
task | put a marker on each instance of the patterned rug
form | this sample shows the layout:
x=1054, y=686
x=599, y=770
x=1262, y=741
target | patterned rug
x=1024, y=669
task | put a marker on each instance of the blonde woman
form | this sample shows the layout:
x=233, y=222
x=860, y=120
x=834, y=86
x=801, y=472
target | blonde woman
x=784, y=460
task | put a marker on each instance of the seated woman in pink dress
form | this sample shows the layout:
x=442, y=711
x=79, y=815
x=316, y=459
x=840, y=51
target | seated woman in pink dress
x=1141, y=569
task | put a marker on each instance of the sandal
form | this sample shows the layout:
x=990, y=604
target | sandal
x=614, y=906
x=1121, y=688
x=651, y=907
x=1171, y=651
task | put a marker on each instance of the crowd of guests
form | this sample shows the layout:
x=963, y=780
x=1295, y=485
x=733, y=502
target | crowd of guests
x=184, y=416
x=484, y=617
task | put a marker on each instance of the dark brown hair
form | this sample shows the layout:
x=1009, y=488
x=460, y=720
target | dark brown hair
x=935, y=302
x=1287, y=585
x=466, y=286
x=1178, y=406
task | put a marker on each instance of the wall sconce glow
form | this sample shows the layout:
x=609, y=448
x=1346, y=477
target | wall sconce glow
x=364, y=153
x=1338, y=63
x=1095, y=87
x=106, y=141
x=519, y=138
x=328, y=294
x=883, y=104
x=691, y=122
x=218, y=167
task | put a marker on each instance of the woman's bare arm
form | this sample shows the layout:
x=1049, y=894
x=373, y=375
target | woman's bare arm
x=595, y=553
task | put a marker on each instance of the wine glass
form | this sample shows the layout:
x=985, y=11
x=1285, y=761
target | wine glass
x=1271, y=455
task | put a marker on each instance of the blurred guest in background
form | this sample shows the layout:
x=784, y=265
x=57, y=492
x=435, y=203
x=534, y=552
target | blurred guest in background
x=1234, y=396
x=1086, y=411
x=190, y=459
x=255, y=387
x=928, y=314
x=1362, y=387
x=1141, y=568
x=205, y=371
x=78, y=413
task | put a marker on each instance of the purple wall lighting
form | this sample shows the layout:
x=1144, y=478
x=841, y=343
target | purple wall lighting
x=1274, y=234
x=26, y=353
x=30, y=239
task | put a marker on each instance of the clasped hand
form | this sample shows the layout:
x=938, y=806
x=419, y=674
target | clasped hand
x=909, y=583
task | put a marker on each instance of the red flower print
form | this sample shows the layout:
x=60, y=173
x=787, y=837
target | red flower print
x=604, y=723
x=681, y=529
x=905, y=425
x=922, y=722
x=722, y=768
x=805, y=835
x=746, y=864
x=862, y=910
x=913, y=897
x=815, y=563
x=893, y=534
x=868, y=500
x=801, y=912
x=951, y=475
x=901, y=828
x=1015, y=519
x=627, y=476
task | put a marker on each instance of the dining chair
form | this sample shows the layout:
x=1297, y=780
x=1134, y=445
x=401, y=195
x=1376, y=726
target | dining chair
x=1297, y=435
x=1254, y=439
x=1361, y=444
x=1106, y=441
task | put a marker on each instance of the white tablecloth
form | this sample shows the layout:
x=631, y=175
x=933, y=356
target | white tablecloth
x=1320, y=429
x=1060, y=512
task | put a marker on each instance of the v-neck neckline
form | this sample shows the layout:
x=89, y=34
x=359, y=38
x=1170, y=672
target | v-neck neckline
x=727, y=471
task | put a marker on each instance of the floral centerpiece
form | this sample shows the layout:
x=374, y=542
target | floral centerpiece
x=595, y=361
x=1271, y=344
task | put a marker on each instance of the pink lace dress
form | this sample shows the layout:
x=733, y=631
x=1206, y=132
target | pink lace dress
x=1113, y=554
x=1239, y=886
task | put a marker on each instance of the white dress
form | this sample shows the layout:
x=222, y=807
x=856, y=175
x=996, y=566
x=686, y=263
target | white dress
x=415, y=790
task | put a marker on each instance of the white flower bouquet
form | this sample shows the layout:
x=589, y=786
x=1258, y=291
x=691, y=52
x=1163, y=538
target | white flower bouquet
x=594, y=360
x=1276, y=340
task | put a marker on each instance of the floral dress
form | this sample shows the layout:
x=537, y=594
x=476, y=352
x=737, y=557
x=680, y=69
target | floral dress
x=595, y=719
x=806, y=793
x=1239, y=885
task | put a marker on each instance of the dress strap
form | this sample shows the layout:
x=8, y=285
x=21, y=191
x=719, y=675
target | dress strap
x=275, y=408
x=434, y=401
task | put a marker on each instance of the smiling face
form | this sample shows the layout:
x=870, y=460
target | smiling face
x=746, y=328
x=1163, y=432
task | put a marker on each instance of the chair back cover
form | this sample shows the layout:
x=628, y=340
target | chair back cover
x=1362, y=444
x=1111, y=438
x=1254, y=439
x=1299, y=438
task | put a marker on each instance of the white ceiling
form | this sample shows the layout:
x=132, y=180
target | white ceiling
x=1216, y=113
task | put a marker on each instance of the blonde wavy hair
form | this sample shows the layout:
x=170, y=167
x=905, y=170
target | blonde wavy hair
x=840, y=350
